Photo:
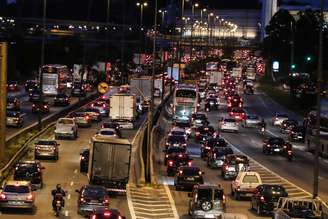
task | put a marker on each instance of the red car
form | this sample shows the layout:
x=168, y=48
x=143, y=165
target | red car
x=237, y=113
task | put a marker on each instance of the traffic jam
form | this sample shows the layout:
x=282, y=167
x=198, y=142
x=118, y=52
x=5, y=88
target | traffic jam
x=219, y=94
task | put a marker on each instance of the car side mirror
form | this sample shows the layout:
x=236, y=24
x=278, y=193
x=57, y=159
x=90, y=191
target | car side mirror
x=189, y=194
x=77, y=191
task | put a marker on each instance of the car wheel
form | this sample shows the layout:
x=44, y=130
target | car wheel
x=236, y=195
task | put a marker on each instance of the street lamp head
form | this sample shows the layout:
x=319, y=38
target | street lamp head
x=211, y=14
x=145, y=4
x=160, y=11
x=196, y=5
x=138, y=4
x=204, y=9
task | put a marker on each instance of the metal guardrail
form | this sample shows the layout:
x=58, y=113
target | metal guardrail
x=47, y=123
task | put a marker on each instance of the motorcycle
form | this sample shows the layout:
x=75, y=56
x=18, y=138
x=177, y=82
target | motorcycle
x=290, y=155
x=58, y=200
x=262, y=130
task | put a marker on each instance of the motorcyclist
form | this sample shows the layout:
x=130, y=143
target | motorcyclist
x=262, y=125
x=55, y=192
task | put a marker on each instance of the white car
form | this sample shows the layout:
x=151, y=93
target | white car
x=178, y=131
x=279, y=118
x=66, y=127
x=229, y=124
x=245, y=184
x=107, y=133
x=251, y=121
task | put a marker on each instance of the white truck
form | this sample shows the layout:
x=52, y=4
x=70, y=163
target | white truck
x=109, y=163
x=251, y=73
x=158, y=85
x=122, y=109
x=66, y=127
x=236, y=72
x=143, y=87
x=215, y=77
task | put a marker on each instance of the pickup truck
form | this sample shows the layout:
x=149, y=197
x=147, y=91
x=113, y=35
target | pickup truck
x=288, y=208
x=245, y=184
x=66, y=127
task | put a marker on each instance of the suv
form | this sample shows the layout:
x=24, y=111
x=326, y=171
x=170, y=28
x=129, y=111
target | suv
x=245, y=184
x=233, y=164
x=174, y=161
x=46, y=149
x=17, y=194
x=91, y=197
x=206, y=201
x=66, y=127
x=266, y=198
x=14, y=119
x=187, y=177
x=209, y=144
x=29, y=171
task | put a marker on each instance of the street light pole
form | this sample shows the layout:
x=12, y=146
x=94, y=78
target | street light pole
x=141, y=5
x=107, y=32
x=193, y=6
x=42, y=60
x=151, y=108
x=318, y=111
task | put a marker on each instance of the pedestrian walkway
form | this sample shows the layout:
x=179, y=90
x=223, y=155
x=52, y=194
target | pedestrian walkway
x=149, y=203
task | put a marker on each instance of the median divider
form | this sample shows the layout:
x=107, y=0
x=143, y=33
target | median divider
x=32, y=132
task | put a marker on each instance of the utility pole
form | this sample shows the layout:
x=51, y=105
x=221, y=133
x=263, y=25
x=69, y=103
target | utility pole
x=317, y=124
x=151, y=107
x=3, y=98
x=44, y=32
x=107, y=32
x=292, y=47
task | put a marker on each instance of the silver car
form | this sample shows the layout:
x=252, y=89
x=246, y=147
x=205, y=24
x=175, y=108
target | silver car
x=251, y=121
x=46, y=149
x=17, y=194
x=14, y=119
x=207, y=201
x=229, y=124
x=279, y=118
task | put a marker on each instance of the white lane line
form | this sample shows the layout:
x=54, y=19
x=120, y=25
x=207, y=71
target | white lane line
x=75, y=171
x=174, y=209
x=130, y=205
x=71, y=183
x=269, y=171
x=68, y=196
x=66, y=213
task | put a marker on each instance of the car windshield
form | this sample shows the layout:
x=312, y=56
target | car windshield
x=190, y=171
x=219, y=151
x=207, y=193
x=278, y=141
x=182, y=124
x=46, y=142
x=12, y=114
x=95, y=110
x=177, y=138
x=176, y=150
x=61, y=95
x=109, y=125
x=200, y=116
x=282, y=116
x=250, y=179
x=26, y=168
x=253, y=117
x=238, y=160
x=16, y=189
x=186, y=93
x=216, y=142
x=93, y=192
x=177, y=133
x=65, y=121
x=107, y=132
x=238, y=110
x=230, y=120
x=274, y=190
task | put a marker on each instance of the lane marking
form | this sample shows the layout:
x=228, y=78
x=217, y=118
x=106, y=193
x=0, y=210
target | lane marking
x=69, y=196
x=130, y=205
x=75, y=171
x=71, y=183
x=66, y=213
x=174, y=209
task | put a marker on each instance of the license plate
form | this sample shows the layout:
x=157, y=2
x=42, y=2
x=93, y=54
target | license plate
x=299, y=137
x=276, y=150
x=190, y=178
x=14, y=203
x=94, y=201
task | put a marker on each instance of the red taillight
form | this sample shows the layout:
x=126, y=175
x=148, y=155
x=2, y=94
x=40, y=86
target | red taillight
x=29, y=197
x=107, y=214
x=92, y=105
x=189, y=163
x=180, y=155
x=197, y=133
x=106, y=201
x=289, y=152
x=45, y=106
x=94, y=216
x=262, y=199
x=167, y=156
x=180, y=172
x=33, y=105
x=82, y=200
x=170, y=163
x=104, y=105
x=2, y=196
x=200, y=172
x=82, y=157
x=226, y=168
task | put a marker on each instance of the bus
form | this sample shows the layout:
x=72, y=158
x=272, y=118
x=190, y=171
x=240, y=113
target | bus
x=55, y=79
x=185, y=101
x=310, y=133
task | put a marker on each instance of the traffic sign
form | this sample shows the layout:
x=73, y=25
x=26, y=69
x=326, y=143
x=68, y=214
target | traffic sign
x=103, y=87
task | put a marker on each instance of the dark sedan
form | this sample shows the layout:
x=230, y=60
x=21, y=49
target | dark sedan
x=209, y=144
x=29, y=171
x=186, y=177
x=297, y=133
x=266, y=197
x=106, y=214
x=274, y=145
x=91, y=197
x=174, y=161
x=61, y=100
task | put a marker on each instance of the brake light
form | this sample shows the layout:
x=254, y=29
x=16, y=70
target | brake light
x=87, y=117
x=240, y=105
x=189, y=163
x=167, y=156
x=92, y=105
x=262, y=199
x=106, y=201
x=94, y=217
x=180, y=155
x=82, y=157
x=29, y=197
x=200, y=172
x=180, y=172
x=170, y=163
x=107, y=214
x=197, y=133
x=82, y=200
x=2, y=196
x=289, y=152
x=33, y=105
x=226, y=168
x=104, y=105
x=45, y=106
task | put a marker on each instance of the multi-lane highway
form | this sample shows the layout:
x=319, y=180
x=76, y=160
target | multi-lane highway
x=295, y=176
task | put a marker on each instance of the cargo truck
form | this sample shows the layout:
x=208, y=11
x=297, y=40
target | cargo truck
x=122, y=109
x=109, y=163
x=143, y=87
